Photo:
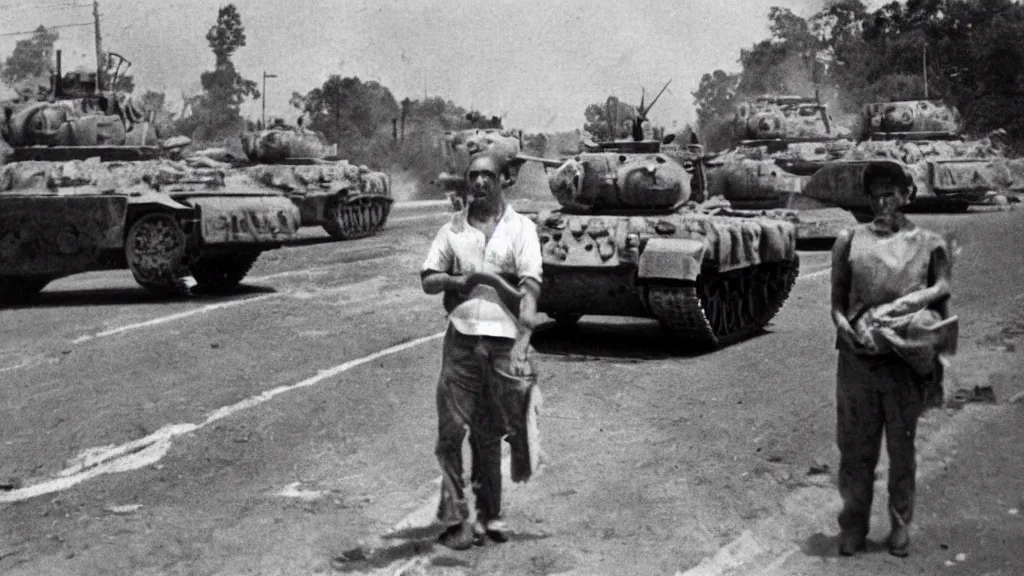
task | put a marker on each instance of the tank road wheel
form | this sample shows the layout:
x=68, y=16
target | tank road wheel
x=155, y=251
x=357, y=217
x=724, y=308
x=20, y=289
x=218, y=274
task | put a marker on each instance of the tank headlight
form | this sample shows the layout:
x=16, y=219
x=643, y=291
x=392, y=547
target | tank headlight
x=632, y=240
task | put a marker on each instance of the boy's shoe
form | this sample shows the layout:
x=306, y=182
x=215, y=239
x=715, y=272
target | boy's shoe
x=457, y=537
x=851, y=542
x=899, y=542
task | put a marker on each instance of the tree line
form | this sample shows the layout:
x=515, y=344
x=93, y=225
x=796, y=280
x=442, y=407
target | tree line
x=966, y=52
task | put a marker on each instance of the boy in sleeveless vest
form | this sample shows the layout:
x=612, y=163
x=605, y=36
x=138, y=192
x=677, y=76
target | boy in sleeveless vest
x=890, y=289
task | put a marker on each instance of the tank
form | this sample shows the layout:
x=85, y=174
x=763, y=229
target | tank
x=346, y=200
x=924, y=139
x=458, y=146
x=89, y=187
x=628, y=239
x=782, y=141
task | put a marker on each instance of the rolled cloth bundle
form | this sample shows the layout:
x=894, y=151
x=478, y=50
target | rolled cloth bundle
x=921, y=338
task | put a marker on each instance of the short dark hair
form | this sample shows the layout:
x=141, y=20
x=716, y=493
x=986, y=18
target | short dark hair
x=889, y=171
x=500, y=164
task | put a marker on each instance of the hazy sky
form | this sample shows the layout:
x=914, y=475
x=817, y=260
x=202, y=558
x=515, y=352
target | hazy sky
x=539, y=62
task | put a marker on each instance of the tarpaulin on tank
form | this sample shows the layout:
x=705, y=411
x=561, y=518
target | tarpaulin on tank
x=95, y=177
x=956, y=166
x=333, y=177
x=740, y=242
x=246, y=220
x=978, y=175
x=31, y=244
x=276, y=145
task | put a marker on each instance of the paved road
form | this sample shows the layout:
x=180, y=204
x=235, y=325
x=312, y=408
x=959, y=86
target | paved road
x=269, y=431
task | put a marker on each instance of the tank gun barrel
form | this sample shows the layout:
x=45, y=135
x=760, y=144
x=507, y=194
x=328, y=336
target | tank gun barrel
x=546, y=162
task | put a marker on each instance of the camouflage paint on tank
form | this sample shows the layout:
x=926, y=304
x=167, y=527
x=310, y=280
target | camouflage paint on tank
x=783, y=140
x=259, y=220
x=72, y=216
x=785, y=118
x=919, y=119
x=923, y=139
x=55, y=235
x=347, y=200
x=458, y=146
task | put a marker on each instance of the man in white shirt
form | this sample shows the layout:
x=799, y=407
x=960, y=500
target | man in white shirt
x=487, y=261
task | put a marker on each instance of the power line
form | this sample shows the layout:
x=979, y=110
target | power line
x=47, y=27
x=37, y=6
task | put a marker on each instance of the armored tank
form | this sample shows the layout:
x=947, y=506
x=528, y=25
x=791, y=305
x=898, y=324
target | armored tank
x=347, y=200
x=627, y=240
x=458, y=146
x=783, y=140
x=87, y=189
x=924, y=139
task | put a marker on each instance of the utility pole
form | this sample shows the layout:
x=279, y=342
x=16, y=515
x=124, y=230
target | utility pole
x=924, y=69
x=263, y=96
x=99, y=45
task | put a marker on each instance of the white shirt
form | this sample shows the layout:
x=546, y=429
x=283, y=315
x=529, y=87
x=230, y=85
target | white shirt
x=513, y=250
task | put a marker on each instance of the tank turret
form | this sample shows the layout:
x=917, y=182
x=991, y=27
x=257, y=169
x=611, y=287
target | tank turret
x=640, y=174
x=910, y=119
x=78, y=121
x=784, y=118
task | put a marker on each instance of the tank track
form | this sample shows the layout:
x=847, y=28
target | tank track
x=724, y=308
x=358, y=217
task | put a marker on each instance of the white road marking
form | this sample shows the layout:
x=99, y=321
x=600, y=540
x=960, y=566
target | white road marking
x=420, y=217
x=221, y=305
x=814, y=274
x=293, y=491
x=733, y=555
x=303, y=272
x=150, y=449
x=172, y=317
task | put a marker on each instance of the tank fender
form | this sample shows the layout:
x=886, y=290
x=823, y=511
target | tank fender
x=672, y=259
x=137, y=199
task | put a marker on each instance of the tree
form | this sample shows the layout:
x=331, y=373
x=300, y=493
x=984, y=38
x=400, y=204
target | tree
x=224, y=89
x=715, y=100
x=347, y=111
x=610, y=120
x=852, y=56
x=32, y=60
